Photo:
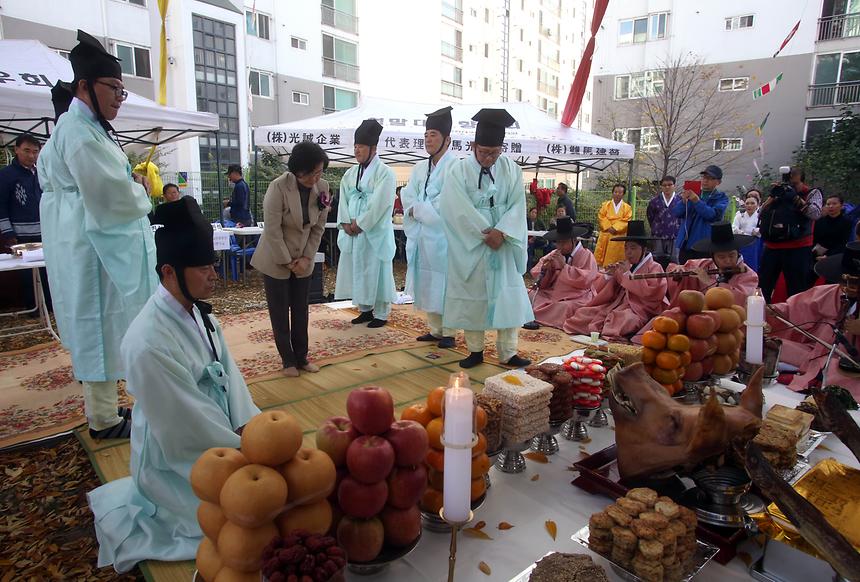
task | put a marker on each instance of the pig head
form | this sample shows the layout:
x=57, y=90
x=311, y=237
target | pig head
x=661, y=434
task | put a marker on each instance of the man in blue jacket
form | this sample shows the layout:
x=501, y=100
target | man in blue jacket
x=698, y=213
x=240, y=201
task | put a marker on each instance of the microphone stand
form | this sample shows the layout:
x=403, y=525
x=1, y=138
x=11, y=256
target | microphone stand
x=830, y=346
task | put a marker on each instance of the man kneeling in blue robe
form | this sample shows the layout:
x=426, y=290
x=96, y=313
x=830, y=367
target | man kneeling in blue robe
x=189, y=397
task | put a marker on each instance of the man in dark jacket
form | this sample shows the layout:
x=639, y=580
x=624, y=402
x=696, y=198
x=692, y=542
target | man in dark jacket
x=563, y=200
x=240, y=201
x=698, y=213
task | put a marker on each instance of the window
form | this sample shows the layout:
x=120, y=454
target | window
x=642, y=138
x=135, y=60
x=62, y=53
x=335, y=99
x=643, y=28
x=638, y=85
x=298, y=43
x=486, y=50
x=734, y=84
x=300, y=98
x=488, y=86
x=340, y=58
x=452, y=80
x=261, y=84
x=738, y=22
x=486, y=15
x=519, y=94
x=816, y=128
x=135, y=2
x=552, y=108
x=732, y=144
x=520, y=65
x=836, y=79
x=257, y=24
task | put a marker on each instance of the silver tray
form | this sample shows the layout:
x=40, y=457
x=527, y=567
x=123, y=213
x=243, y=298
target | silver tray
x=704, y=554
x=801, y=468
x=813, y=439
x=526, y=574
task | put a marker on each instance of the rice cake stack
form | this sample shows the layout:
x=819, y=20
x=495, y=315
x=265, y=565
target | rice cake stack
x=650, y=535
x=525, y=404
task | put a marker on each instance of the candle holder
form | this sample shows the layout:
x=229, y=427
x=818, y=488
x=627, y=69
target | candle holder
x=576, y=429
x=452, y=549
x=511, y=459
x=546, y=442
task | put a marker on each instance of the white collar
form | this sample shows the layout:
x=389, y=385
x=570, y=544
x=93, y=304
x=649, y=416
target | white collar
x=441, y=161
x=83, y=108
x=644, y=260
x=178, y=308
x=671, y=199
x=617, y=206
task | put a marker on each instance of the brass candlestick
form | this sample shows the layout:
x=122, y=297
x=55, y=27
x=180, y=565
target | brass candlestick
x=452, y=550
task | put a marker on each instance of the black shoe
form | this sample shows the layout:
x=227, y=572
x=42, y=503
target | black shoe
x=427, y=337
x=124, y=412
x=532, y=325
x=364, y=317
x=473, y=360
x=122, y=430
x=517, y=362
x=377, y=322
x=446, y=342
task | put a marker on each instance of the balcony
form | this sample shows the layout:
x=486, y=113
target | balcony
x=452, y=51
x=839, y=26
x=339, y=19
x=340, y=70
x=327, y=110
x=833, y=94
x=550, y=62
x=452, y=13
x=547, y=89
x=452, y=89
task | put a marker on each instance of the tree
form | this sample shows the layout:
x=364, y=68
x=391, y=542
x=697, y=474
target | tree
x=682, y=111
x=830, y=160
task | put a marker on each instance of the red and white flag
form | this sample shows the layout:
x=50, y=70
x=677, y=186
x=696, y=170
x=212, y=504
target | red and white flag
x=787, y=39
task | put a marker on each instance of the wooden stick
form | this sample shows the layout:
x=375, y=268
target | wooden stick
x=836, y=419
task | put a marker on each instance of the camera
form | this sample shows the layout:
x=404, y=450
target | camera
x=784, y=190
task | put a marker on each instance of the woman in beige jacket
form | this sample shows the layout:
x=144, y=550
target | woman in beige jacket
x=294, y=213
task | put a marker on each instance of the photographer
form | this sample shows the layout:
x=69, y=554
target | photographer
x=786, y=222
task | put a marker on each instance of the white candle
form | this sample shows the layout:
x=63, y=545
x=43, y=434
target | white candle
x=459, y=418
x=755, y=328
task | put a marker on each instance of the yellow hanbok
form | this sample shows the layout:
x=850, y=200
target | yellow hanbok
x=608, y=216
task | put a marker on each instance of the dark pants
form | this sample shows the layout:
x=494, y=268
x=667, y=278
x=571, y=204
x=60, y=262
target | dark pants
x=27, y=280
x=685, y=255
x=794, y=264
x=288, y=312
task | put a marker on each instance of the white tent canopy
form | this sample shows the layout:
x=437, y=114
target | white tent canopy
x=535, y=141
x=28, y=70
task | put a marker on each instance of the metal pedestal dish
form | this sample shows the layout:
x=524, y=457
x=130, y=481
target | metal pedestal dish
x=432, y=522
x=717, y=497
x=546, y=442
x=576, y=429
x=511, y=459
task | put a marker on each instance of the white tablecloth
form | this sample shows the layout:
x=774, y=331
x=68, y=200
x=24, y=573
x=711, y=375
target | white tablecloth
x=18, y=263
x=528, y=504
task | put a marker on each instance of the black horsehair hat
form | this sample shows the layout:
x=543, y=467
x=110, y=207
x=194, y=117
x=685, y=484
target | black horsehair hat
x=490, y=131
x=90, y=60
x=564, y=230
x=722, y=239
x=833, y=267
x=635, y=233
x=185, y=239
x=440, y=120
x=368, y=132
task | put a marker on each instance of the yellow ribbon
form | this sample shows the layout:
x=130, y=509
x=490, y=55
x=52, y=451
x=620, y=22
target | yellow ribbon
x=162, y=65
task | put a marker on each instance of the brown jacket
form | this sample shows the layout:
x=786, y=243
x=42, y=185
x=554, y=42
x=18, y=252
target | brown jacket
x=284, y=237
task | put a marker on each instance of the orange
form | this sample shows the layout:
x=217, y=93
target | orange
x=666, y=325
x=479, y=487
x=481, y=447
x=480, y=466
x=431, y=502
x=434, y=433
x=686, y=358
x=678, y=342
x=665, y=376
x=417, y=412
x=668, y=360
x=649, y=356
x=654, y=340
x=435, y=460
x=480, y=418
x=436, y=479
x=434, y=401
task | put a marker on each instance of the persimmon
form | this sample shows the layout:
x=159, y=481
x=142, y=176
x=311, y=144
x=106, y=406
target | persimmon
x=667, y=325
x=649, y=356
x=434, y=401
x=480, y=418
x=417, y=412
x=434, y=433
x=654, y=340
x=678, y=342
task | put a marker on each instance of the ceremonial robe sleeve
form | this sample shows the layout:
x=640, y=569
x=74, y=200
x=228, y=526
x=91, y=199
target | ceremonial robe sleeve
x=582, y=276
x=273, y=218
x=343, y=203
x=512, y=222
x=603, y=221
x=463, y=223
x=380, y=205
x=620, y=222
x=317, y=228
x=643, y=287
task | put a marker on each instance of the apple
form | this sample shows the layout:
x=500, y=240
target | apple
x=402, y=526
x=693, y=373
x=698, y=349
x=718, y=321
x=678, y=315
x=410, y=442
x=712, y=344
x=406, y=486
x=691, y=302
x=252, y=496
x=271, y=438
x=707, y=366
x=358, y=499
x=700, y=326
x=340, y=474
x=370, y=458
x=361, y=539
x=310, y=476
x=211, y=470
x=371, y=409
x=241, y=548
x=334, y=437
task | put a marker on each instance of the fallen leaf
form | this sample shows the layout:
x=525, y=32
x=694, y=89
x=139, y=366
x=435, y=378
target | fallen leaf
x=586, y=440
x=480, y=525
x=505, y=525
x=551, y=527
x=537, y=457
x=476, y=533
x=536, y=477
x=483, y=567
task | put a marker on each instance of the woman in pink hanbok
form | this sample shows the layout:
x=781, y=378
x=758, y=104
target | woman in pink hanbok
x=817, y=311
x=621, y=304
x=564, y=278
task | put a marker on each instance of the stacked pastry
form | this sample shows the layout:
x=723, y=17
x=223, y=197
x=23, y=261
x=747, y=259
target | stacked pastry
x=561, y=403
x=588, y=376
x=650, y=535
x=525, y=404
x=781, y=431
x=493, y=430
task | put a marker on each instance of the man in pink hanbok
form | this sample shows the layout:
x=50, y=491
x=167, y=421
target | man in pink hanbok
x=818, y=310
x=622, y=304
x=723, y=246
x=564, y=278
